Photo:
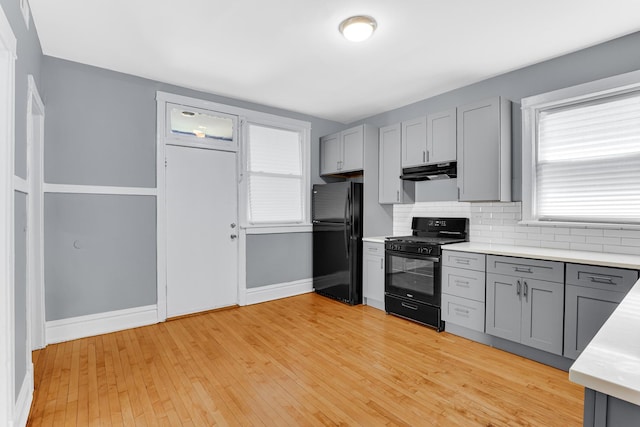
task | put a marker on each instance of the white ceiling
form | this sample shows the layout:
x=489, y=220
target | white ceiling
x=289, y=53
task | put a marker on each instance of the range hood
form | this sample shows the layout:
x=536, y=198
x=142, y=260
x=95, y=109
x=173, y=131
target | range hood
x=430, y=172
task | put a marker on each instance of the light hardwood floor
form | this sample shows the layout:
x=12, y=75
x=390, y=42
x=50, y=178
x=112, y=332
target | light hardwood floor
x=299, y=361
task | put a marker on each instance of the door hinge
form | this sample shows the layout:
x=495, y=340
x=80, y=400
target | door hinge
x=165, y=162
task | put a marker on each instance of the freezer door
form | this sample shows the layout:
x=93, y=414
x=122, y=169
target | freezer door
x=329, y=202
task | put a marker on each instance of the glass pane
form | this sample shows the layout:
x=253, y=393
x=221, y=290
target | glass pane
x=274, y=150
x=415, y=275
x=275, y=199
x=200, y=125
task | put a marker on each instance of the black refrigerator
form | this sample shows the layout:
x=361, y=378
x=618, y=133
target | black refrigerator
x=337, y=241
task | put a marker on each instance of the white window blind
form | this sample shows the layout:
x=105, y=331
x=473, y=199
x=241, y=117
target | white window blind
x=588, y=161
x=275, y=175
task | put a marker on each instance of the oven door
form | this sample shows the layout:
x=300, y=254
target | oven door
x=415, y=277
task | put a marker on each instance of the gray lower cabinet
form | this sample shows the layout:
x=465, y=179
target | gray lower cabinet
x=602, y=410
x=522, y=308
x=592, y=294
x=373, y=274
x=463, y=289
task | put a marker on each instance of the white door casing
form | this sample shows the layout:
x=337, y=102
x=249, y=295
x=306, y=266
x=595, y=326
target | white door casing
x=201, y=229
x=7, y=316
x=35, y=179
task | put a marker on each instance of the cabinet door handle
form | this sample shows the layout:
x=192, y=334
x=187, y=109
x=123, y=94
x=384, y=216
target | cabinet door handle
x=381, y=263
x=397, y=195
x=518, y=288
x=603, y=280
x=462, y=283
x=424, y=156
x=427, y=155
x=526, y=289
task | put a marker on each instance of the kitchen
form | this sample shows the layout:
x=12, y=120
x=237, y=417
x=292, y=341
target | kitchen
x=68, y=87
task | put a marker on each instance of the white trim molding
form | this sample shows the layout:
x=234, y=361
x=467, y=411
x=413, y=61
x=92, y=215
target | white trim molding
x=24, y=399
x=96, y=189
x=278, y=291
x=35, y=173
x=20, y=184
x=7, y=143
x=101, y=323
x=302, y=228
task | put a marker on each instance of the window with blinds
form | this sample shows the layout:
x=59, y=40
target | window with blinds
x=276, y=175
x=588, y=161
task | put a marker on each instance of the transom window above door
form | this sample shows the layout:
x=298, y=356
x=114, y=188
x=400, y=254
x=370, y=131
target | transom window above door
x=200, y=128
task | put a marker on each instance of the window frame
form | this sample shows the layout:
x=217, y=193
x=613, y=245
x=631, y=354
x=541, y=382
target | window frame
x=304, y=129
x=598, y=90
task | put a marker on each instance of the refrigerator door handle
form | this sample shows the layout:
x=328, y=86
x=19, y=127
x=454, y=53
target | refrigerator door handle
x=347, y=223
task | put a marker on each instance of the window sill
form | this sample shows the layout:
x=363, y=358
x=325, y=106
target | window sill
x=599, y=225
x=278, y=229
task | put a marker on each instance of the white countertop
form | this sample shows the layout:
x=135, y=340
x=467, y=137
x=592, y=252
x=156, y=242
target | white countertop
x=578, y=257
x=375, y=239
x=611, y=362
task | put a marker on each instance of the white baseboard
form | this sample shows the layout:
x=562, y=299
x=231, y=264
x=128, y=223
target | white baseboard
x=277, y=291
x=23, y=402
x=375, y=303
x=101, y=323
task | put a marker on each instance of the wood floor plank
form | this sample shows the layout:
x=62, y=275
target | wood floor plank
x=303, y=361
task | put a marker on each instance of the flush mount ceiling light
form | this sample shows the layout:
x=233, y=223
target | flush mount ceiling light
x=358, y=28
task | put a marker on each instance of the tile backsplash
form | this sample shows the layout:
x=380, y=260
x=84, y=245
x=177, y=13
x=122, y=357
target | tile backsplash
x=497, y=223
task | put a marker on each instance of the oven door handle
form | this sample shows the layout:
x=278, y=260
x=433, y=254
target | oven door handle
x=412, y=256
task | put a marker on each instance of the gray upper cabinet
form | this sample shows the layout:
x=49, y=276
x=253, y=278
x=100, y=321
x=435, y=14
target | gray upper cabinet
x=522, y=308
x=484, y=150
x=430, y=139
x=342, y=152
x=414, y=142
x=441, y=136
x=330, y=156
x=592, y=294
x=352, y=149
x=391, y=188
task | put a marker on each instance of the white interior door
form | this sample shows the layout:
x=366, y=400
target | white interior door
x=201, y=218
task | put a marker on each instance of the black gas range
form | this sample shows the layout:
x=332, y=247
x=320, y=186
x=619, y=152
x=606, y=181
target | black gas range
x=413, y=268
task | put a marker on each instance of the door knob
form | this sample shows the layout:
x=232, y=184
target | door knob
x=233, y=236
x=233, y=225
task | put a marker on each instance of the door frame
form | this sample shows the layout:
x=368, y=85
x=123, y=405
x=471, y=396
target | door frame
x=8, y=45
x=162, y=99
x=35, y=236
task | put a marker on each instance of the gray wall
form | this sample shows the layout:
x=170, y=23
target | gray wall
x=604, y=60
x=100, y=129
x=20, y=295
x=100, y=253
x=282, y=255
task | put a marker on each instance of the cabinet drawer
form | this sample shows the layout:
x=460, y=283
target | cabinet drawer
x=373, y=248
x=463, y=283
x=607, y=278
x=463, y=312
x=464, y=260
x=552, y=271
